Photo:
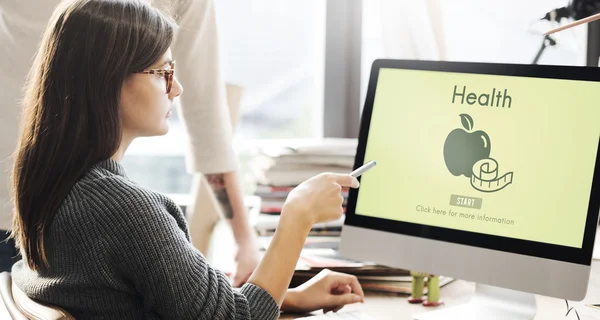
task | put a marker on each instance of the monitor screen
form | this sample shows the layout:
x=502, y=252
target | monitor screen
x=499, y=155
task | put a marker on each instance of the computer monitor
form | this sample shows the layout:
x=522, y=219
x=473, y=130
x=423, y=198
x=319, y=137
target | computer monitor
x=485, y=172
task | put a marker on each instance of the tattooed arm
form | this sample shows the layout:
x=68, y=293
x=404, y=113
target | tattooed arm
x=217, y=182
x=228, y=192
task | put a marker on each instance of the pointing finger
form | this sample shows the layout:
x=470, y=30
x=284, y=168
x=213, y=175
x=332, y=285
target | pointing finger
x=345, y=180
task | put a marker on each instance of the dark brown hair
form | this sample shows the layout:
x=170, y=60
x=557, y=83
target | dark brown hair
x=71, y=117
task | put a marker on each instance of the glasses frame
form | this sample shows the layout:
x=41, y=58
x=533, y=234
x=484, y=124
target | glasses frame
x=169, y=74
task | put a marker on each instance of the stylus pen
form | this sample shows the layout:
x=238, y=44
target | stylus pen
x=573, y=24
x=364, y=168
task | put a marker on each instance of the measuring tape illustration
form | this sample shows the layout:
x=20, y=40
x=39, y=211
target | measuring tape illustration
x=485, y=176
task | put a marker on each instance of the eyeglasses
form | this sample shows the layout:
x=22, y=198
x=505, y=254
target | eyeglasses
x=168, y=74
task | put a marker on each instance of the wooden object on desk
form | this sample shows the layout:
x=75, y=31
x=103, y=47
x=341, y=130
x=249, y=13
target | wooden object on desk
x=384, y=307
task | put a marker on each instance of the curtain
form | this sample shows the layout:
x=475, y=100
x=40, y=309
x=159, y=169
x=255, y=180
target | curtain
x=411, y=29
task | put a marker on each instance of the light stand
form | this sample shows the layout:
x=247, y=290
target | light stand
x=576, y=9
x=593, y=44
x=548, y=41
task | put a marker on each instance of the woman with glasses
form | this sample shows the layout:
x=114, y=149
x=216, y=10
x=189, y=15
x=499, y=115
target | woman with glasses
x=97, y=244
x=210, y=157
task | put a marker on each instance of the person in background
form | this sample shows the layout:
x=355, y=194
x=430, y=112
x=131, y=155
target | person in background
x=97, y=244
x=203, y=109
x=208, y=123
x=21, y=25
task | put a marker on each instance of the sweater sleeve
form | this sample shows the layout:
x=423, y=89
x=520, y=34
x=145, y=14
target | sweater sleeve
x=203, y=106
x=151, y=250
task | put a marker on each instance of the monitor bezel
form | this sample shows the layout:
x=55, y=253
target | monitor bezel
x=581, y=255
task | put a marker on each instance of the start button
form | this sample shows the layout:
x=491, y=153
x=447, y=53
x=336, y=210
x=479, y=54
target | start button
x=465, y=202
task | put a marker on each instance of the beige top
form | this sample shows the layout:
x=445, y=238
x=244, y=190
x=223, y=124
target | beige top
x=203, y=105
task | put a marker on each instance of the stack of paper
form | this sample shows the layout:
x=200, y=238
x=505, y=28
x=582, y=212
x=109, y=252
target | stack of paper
x=286, y=163
x=281, y=165
x=371, y=276
x=266, y=224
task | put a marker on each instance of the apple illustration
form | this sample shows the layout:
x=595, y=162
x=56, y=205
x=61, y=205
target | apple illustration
x=463, y=148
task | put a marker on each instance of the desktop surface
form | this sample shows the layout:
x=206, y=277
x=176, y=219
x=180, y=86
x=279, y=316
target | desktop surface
x=392, y=307
x=386, y=307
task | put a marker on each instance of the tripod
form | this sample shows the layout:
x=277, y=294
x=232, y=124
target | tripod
x=548, y=41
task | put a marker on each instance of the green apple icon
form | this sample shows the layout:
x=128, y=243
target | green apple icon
x=463, y=148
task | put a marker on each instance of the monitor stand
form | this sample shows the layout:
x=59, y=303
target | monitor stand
x=489, y=303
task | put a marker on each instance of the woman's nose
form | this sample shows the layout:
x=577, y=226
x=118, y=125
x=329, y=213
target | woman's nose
x=176, y=90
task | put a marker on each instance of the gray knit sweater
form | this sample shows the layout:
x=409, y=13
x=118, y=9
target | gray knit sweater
x=119, y=251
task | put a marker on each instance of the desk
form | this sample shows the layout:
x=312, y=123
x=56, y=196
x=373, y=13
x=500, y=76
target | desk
x=384, y=307
x=458, y=292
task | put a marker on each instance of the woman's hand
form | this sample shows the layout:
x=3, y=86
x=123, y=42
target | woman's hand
x=318, y=199
x=328, y=290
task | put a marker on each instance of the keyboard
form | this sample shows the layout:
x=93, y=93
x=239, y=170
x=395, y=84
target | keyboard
x=341, y=315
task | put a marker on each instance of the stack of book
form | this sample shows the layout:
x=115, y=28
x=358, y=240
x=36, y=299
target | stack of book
x=321, y=253
x=287, y=163
x=372, y=278
x=265, y=225
x=281, y=165
x=272, y=197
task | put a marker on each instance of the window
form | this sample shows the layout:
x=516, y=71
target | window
x=465, y=30
x=274, y=50
x=511, y=32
